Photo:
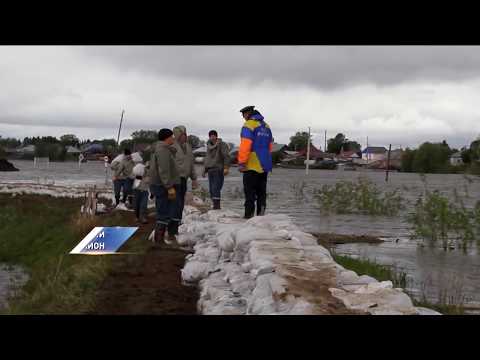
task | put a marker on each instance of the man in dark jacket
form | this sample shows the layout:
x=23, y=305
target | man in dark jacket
x=216, y=164
x=165, y=184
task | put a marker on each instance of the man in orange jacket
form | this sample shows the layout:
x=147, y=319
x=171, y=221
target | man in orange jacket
x=255, y=160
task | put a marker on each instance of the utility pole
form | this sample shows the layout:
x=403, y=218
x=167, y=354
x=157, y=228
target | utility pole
x=325, y=148
x=120, y=128
x=388, y=162
x=368, y=156
x=308, y=151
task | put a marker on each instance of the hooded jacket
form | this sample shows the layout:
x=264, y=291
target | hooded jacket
x=256, y=144
x=163, y=168
x=122, y=169
x=183, y=155
x=217, y=155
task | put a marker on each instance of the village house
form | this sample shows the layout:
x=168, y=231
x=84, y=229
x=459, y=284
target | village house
x=279, y=148
x=456, y=159
x=374, y=153
x=29, y=149
x=347, y=156
x=73, y=150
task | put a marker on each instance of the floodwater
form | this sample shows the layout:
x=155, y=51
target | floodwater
x=430, y=271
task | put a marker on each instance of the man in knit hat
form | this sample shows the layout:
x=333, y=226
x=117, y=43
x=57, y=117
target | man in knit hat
x=165, y=184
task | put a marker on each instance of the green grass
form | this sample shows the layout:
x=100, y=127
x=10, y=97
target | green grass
x=399, y=279
x=38, y=232
x=370, y=268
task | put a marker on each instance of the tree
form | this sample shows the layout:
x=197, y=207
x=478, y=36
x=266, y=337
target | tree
x=126, y=144
x=407, y=160
x=9, y=142
x=69, y=140
x=335, y=144
x=352, y=146
x=431, y=158
x=467, y=156
x=194, y=141
x=145, y=136
x=299, y=141
x=475, y=150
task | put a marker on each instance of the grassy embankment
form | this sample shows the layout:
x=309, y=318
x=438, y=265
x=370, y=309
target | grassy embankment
x=38, y=232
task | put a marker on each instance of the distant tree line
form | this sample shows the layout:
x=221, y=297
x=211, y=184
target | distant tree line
x=335, y=145
x=435, y=158
x=56, y=148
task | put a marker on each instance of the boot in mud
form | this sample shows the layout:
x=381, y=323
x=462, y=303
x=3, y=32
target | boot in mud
x=172, y=240
x=159, y=235
x=216, y=204
x=172, y=232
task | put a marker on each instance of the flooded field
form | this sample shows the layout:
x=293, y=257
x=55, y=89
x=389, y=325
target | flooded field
x=431, y=271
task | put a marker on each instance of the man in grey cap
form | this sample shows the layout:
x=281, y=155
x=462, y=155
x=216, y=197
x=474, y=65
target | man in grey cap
x=185, y=164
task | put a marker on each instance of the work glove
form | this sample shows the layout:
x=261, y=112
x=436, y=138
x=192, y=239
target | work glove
x=172, y=194
x=225, y=171
x=194, y=184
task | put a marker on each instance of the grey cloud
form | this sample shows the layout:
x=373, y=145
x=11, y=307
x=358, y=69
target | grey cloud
x=323, y=67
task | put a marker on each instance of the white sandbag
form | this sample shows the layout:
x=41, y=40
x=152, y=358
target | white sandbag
x=194, y=271
x=225, y=241
x=374, y=287
x=425, y=311
x=118, y=158
x=137, y=157
x=138, y=170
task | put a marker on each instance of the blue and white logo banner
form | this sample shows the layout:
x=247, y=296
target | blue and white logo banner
x=104, y=240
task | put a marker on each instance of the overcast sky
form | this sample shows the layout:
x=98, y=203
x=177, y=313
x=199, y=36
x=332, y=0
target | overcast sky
x=395, y=94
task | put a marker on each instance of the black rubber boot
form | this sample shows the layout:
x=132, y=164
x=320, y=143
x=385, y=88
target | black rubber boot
x=159, y=234
x=216, y=204
x=261, y=211
x=248, y=213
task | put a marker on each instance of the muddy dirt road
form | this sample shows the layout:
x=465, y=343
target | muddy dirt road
x=148, y=283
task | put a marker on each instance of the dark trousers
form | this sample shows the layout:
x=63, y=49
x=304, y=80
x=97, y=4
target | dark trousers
x=166, y=209
x=128, y=187
x=215, y=182
x=255, y=188
x=118, y=186
x=180, y=204
x=141, y=202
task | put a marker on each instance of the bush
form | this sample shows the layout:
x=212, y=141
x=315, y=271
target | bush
x=436, y=218
x=363, y=197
